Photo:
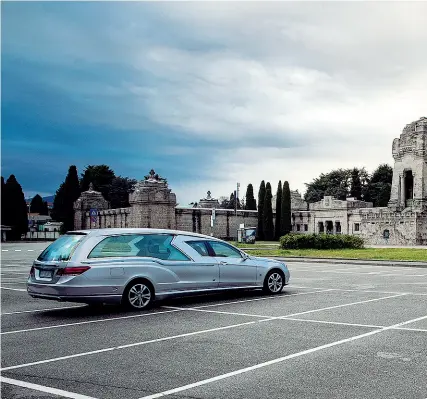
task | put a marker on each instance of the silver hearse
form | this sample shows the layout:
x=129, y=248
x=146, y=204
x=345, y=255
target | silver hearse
x=133, y=267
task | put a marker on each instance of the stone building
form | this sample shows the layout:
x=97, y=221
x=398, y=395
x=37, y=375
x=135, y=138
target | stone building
x=402, y=222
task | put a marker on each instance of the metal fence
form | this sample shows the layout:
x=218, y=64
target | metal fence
x=42, y=235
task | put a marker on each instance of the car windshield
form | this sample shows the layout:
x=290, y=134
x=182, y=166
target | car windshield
x=61, y=249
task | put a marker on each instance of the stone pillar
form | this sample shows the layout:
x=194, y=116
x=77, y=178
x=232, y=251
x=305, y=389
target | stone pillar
x=402, y=191
x=152, y=203
x=88, y=200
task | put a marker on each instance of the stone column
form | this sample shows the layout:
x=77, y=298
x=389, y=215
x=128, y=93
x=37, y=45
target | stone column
x=402, y=191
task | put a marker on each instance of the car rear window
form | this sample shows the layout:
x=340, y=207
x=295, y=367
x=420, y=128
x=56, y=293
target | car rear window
x=61, y=249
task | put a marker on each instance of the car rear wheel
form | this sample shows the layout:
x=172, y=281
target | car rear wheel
x=274, y=282
x=138, y=295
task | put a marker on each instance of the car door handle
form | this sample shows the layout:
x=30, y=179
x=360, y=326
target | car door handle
x=223, y=262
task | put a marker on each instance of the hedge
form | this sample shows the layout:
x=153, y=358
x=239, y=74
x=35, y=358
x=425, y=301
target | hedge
x=320, y=241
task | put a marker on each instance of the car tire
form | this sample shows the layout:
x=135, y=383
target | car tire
x=274, y=282
x=138, y=295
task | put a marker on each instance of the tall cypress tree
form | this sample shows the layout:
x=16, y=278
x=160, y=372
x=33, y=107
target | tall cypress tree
x=37, y=204
x=4, y=203
x=277, y=227
x=356, y=184
x=45, y=209
x=286, y=224
x=261, y=198
x=250, y=199
x=268, y=214
x=16, y=208
x=66, y=195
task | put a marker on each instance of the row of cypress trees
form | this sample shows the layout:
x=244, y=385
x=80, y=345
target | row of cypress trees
x=267, y=229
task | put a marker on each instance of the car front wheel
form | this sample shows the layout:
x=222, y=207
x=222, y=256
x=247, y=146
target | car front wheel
x=274, y=282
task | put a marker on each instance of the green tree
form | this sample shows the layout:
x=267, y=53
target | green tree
x=101, y=176
x=286, y=214
x=261, y=199
x=16, y=208
x=250, y=199
x=63, y=204
x=37, y=204
x=277, y=227
x=356, y=184
x=339, y=183
x=379, y=186
x=119, y=191
x=268, y=214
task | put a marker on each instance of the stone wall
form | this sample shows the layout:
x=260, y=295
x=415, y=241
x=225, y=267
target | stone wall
x=226, y=223
x=383, y=227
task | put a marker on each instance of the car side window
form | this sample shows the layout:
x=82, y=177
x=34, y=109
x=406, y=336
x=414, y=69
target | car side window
x=224, y=250
x=143, y=245
x=199, y=246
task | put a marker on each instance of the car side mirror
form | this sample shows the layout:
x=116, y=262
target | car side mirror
x=244, y=256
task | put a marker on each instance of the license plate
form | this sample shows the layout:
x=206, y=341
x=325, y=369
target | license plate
x=45, y=274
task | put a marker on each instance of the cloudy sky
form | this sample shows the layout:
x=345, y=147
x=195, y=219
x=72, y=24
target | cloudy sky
x=208, y=94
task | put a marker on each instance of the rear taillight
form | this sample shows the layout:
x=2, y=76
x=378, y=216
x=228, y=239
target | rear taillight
x=32, y=271
x=72, y=271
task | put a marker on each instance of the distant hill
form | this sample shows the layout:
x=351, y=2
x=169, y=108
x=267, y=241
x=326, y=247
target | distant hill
x=50, y=198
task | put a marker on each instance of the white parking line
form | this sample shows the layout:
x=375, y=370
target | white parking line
x=42, y=388
x=331, y=322
x=13, y=289
x=85, y=322
x=201, y=308
x=42, y=310
x=4, y=250
x=8, y=273
x=266, y=297
x=18, y=250
x=362, y=290
x=219, y=312
x=145, y=314
x=131, y=345
x=381, y=273
x=275, y=361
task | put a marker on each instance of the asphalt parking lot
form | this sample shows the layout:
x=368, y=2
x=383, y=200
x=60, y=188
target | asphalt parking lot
x=337, y=331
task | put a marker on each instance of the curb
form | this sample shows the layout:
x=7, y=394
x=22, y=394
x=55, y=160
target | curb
x=352, y=261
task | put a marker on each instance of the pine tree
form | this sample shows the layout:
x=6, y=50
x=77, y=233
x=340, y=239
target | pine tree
x=250, y=199
x=268, y=214
x=261, y=198
x=277, y=228
x=16, y=208
x=286, y=224
x=66, y=195
x=37, y=204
